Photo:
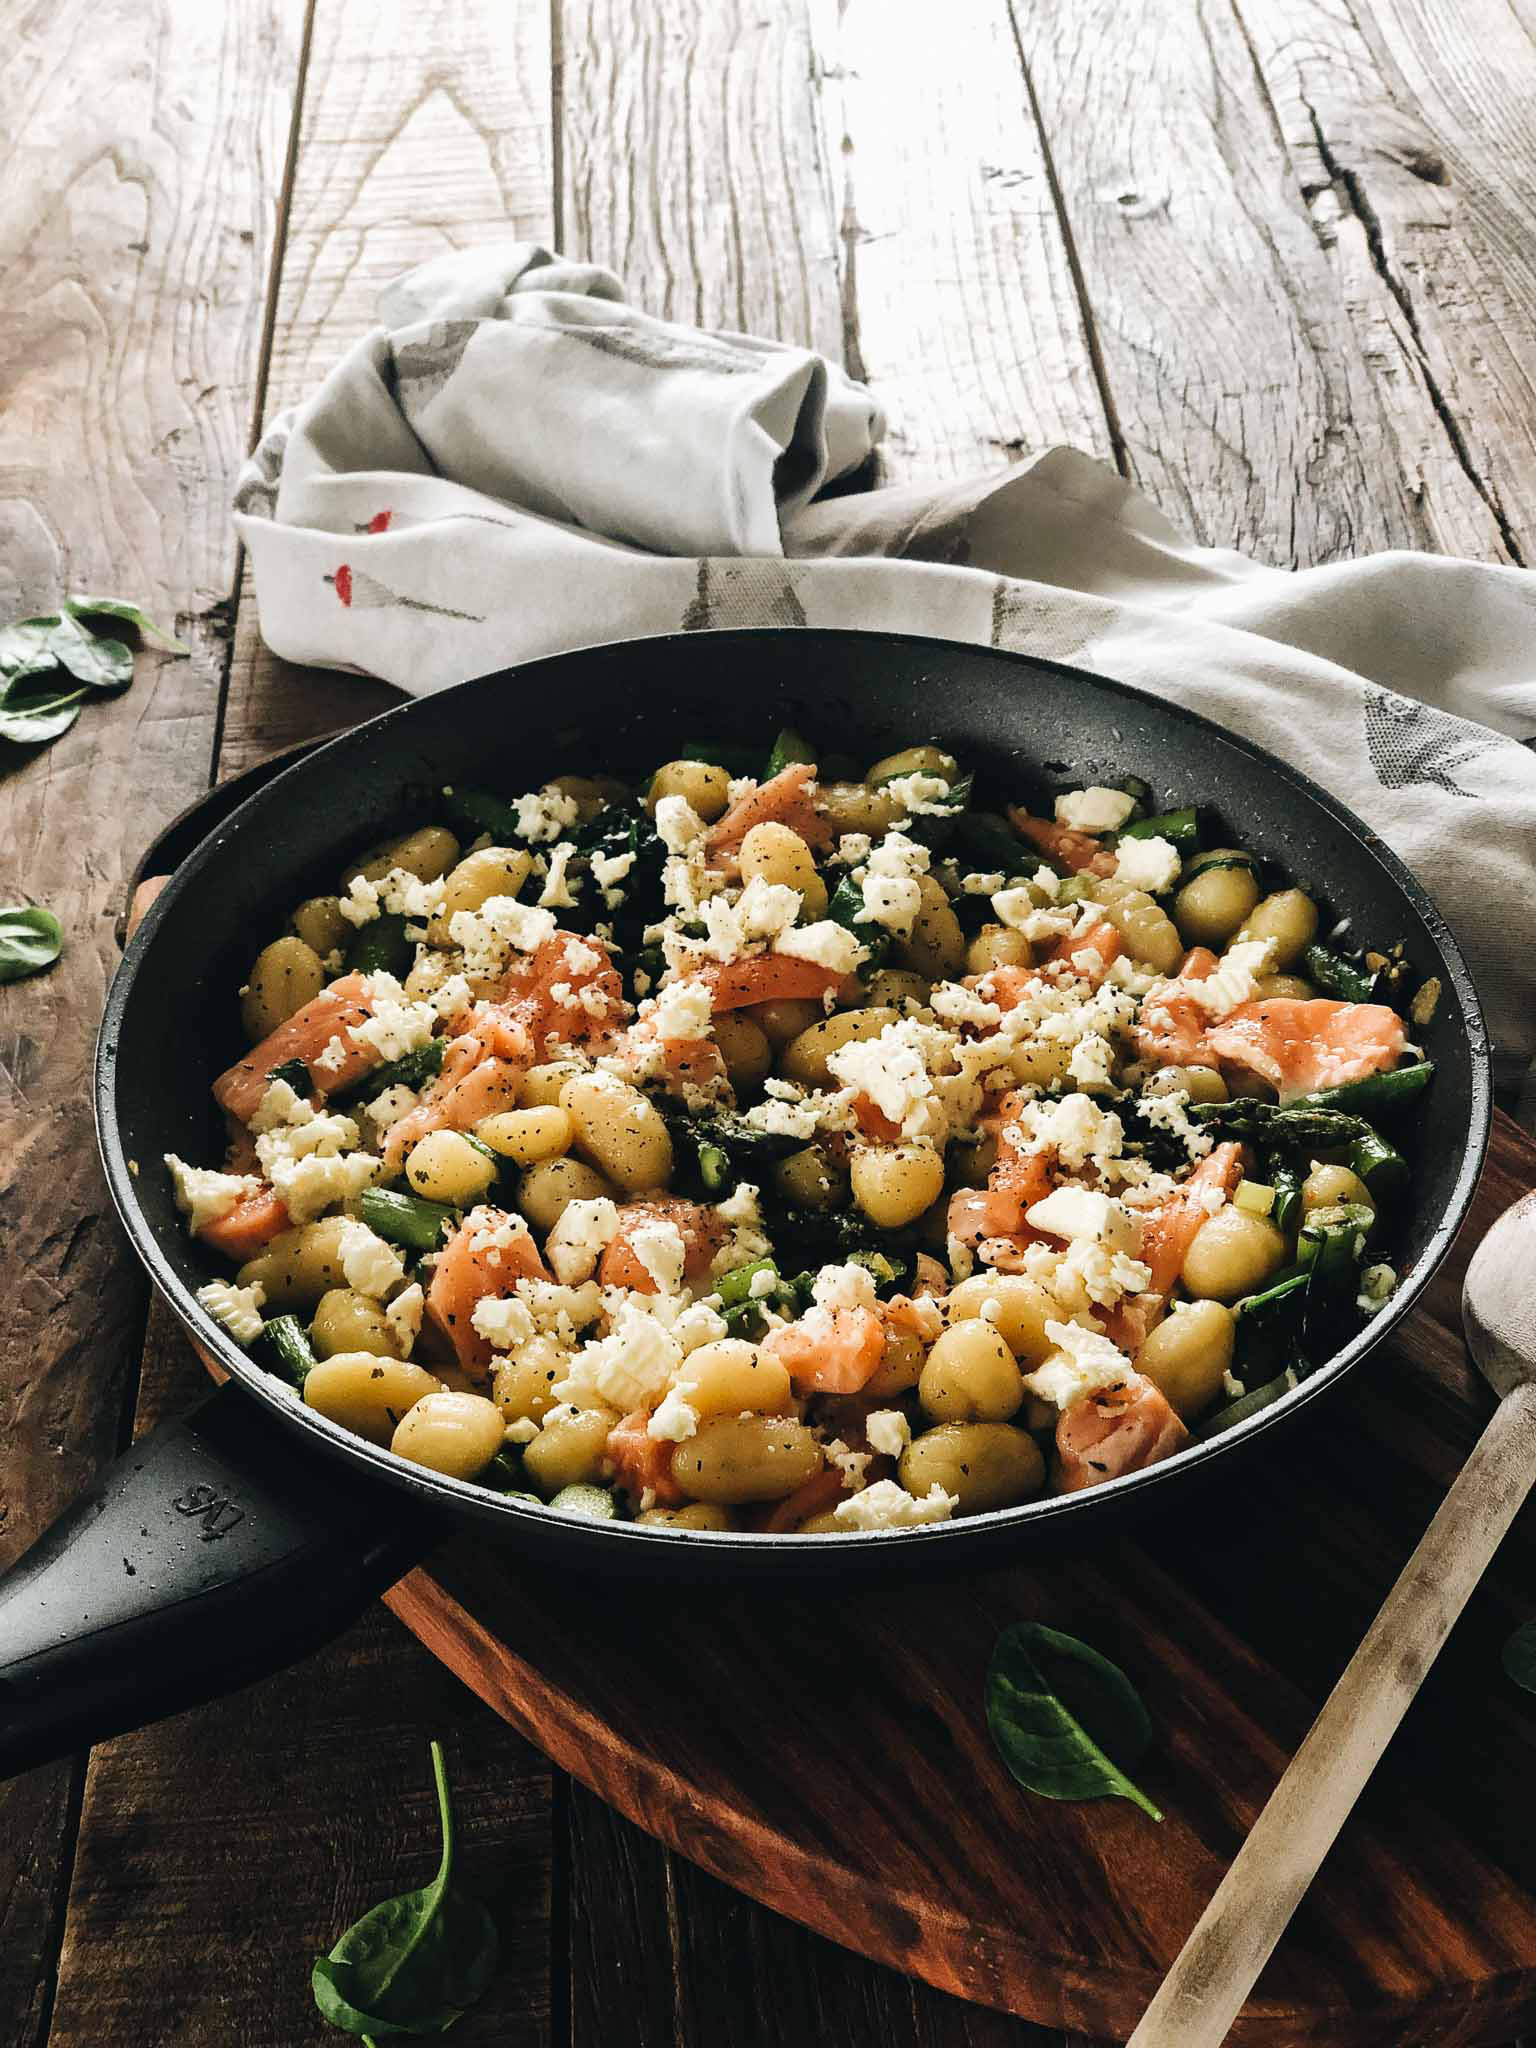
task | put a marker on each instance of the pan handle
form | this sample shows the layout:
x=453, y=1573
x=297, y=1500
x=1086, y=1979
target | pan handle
x=220, y=1548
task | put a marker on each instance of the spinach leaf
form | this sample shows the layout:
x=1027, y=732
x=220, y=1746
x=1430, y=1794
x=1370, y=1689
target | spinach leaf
x=1520, y=1656
x=25, y=646
x=31, y=939
x=1056, y=1710
x=416, y=1963
x=130, y=614
x=33, y=717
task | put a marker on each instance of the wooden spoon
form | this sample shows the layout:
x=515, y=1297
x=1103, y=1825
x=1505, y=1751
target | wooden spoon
x=1217, y=1966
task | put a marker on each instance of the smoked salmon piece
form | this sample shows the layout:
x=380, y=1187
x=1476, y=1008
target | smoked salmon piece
x=1119, y=1429
x=304, y=1036
x=768, y=978
x=1168, y=1233
x=1299, y=1045
x=470, y=1267
x=566, y=992
x=701, y=1230
x=1171, y=1029
x=482, y=1071
x=784, y=799
x=1079, y=851
x=643, y=1464
x=829, y=1351
x=1101, y=938
x=253, y=1222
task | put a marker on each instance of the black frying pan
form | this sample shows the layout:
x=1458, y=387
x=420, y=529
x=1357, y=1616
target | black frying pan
x=233, y=1541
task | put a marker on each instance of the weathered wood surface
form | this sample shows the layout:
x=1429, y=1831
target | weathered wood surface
x=1310, y=331
x=141, y=151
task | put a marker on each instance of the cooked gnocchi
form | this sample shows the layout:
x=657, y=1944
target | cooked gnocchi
x=746, y=1149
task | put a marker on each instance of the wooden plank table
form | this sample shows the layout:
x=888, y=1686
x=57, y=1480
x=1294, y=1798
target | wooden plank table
x=1275, y=258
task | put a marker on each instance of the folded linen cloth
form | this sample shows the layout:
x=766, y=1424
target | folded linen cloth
x=518, y=462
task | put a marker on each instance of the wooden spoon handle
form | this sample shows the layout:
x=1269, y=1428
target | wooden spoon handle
x=1217, y=1966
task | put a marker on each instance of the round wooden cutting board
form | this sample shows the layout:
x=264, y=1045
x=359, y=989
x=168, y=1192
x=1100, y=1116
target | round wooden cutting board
x=830, y=1757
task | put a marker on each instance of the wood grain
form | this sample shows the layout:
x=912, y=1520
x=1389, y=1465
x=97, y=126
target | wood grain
x=842, y=1774
x=140, y=152
x=1408, y=126
x=221, y=1851
x=1233, y=369
x=690, y=163
x=959, y=305
x=424, y=128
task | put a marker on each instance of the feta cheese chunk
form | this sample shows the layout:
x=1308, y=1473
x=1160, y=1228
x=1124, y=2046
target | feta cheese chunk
x=885, y=1505
x=584, y=1232
x=888, y=1430
x=658, y=1245
x=1084, y=1362
x=1094, y=809
x=847, y=1286
x=827, y=944
x=235, y=1309
x=1080, y=1213
x=368, y=1264
x=678, y=823
x=404, y=1317
x=544, y=813
x=674, y=1420
x=204, y=1195
x=683, y=1010
x=1150, y=864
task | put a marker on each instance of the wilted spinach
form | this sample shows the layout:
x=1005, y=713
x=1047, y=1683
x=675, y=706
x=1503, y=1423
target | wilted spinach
x=1060, y=1714
x=416, y=1963
x=30, y=940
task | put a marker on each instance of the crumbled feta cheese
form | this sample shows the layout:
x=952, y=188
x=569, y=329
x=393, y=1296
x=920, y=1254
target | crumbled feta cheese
x=678, y=823
x=236, y=1310
x=847, y=1462
x=505, y=1321
x=1094, y=809
x=579, y=1239
x=544, y=813
x=783, y=1119
x=556, y=893
x=1151, y=864
x=888, y=1430
x=387, y=1109
x=921, y=795
x=742, y=1207
x=852, y=848
x=501, y=925
x=699, y=1324
x=1084, y=1362
x=204, y=1195
x=611, y=868
x=394, y=1028
x=959, y=1005
x=827, y=944
x=1091, y=1061
x=311, y=1163
x=523, y=1431
x=403, y=1315
x=1014, y=907
x=889, y=1069
x=1235, y=980
x=847, y=1286
x=1167, y=1109
x=658, y=1245
x=332, y=1056
x=674, y=1420
x=982, y=885
x=886, y=1505
x=368, y=1264
x=629, y=1368
x=683, y=1010
x=1072, y=1213
x=892, y=901
x=278, y=1106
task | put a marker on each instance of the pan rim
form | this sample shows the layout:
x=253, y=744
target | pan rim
x=485, y=1507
